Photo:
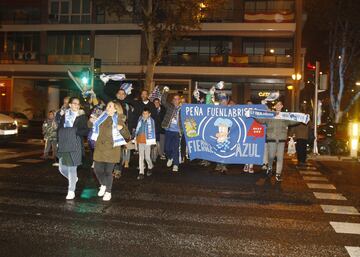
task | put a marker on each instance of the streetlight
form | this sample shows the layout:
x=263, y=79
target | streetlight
x=357, y=83
x=296, y=76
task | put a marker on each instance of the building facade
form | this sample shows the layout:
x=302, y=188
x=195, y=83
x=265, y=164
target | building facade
x=252, y=45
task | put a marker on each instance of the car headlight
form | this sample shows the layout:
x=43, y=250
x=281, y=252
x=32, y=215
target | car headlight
x=16, y=123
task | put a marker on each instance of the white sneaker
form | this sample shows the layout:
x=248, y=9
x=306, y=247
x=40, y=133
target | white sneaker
x=102, y=191
x=175, y=168
x=55, y=164
x=70, y=195
x=169, y=163
x=92, y=165
x=107, y=196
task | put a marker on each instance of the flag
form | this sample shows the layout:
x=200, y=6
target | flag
x=156, y=93
x=127, y=87
x=116, y=77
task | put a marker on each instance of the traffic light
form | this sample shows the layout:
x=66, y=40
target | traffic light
x=96, y=65
x=310, y=73
x=85, y=76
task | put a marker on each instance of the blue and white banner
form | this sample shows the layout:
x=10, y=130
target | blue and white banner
x=223, y=134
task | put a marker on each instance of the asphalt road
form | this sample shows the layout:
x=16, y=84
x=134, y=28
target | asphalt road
x=192, y=213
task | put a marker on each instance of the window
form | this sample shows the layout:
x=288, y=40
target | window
x=269, y=5
x=267, y=47
x=69, y=44
x=70, y=11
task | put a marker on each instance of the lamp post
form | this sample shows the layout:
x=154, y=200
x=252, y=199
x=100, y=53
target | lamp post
x=296, y=77
x=317, y=75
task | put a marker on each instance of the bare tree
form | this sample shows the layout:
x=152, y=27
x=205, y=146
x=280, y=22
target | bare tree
x=341, y=19
x=162, y=21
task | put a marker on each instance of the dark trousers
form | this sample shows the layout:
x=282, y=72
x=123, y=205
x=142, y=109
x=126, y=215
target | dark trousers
x=301, y=150
x=103, y=171
x=172, y=141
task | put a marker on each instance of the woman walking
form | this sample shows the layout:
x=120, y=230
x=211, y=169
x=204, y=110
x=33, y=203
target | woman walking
x=72, y=128
x=109, y=133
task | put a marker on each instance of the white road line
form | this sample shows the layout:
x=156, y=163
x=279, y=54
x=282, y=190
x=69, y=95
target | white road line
x=310, y=168
x=346, y=227
x=329, y=196
x=310, y=178
x=30, y=161
x=8, y=165
x=310, y=173
x=12, y=156
x=353, y=251
x=339, y=209
x=320, y=186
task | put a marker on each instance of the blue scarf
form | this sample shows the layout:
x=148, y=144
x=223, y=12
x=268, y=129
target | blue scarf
x=69, y=118
x=149, y=130
x=116, y=136
x=292, y=116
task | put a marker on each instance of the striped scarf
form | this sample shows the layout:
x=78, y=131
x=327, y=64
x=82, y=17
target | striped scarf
x=116, y=136
x=70, y=117
x=149, y=130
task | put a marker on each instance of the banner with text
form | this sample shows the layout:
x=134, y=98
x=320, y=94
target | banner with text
x=223, y=134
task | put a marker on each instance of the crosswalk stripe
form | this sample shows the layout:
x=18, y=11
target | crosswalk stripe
x=320, y=186
x=310, y=172
x=329, y=196
x=310, y=178
x=8, y=165
x=338, y=209
x=346, y=227
x=353, y=251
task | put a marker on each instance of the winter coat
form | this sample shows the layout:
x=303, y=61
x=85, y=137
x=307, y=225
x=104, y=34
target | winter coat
x=170, y=112
x=49, y=130
x=70, y=140
x=276, y=129
x=104, y=145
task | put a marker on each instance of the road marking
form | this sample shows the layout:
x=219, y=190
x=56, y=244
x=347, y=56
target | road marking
x=353, y=251
x=346, y=227
x=315, y=178
x=329, y=196
x=30, y=161
x=12, y=156
x=320, y=186
x=310, y=172
x=310, y=168
x=8, y=165
x=339, y=209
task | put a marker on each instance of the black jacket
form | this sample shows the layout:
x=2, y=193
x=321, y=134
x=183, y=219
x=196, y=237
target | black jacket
x=70, y=140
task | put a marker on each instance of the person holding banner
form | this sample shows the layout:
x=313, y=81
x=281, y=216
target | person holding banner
x=276, y=136
x=172, y=126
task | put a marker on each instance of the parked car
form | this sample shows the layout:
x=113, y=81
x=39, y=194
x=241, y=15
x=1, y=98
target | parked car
x=22, y=120
x=8, y=128
x=333, y=139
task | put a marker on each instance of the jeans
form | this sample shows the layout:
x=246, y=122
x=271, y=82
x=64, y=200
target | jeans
x=144, y=154
x=103, y=172
x=50, y=145
x=70, y=173
x=276, y=149
x=162, y=145
x=266, y=157
x=172, y=141
x=301, y=150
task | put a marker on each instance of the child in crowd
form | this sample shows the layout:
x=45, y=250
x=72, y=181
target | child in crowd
x=145, y=138
x=49, y=132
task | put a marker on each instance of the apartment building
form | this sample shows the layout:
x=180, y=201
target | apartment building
x=252, y=45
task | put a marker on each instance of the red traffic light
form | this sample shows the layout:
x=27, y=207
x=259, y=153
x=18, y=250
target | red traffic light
x=310, y=66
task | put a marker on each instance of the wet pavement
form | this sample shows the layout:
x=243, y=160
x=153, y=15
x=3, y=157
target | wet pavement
x=191, y=213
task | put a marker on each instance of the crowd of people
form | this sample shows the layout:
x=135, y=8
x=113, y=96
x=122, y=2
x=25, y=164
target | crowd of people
x=149, y=128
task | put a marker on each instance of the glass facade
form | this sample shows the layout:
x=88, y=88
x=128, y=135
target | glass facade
x=70, y=11
x=221, y=51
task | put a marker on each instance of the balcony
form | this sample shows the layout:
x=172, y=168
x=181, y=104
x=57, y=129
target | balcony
x=23, y=16
x=205, y=60
x=20, y=57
